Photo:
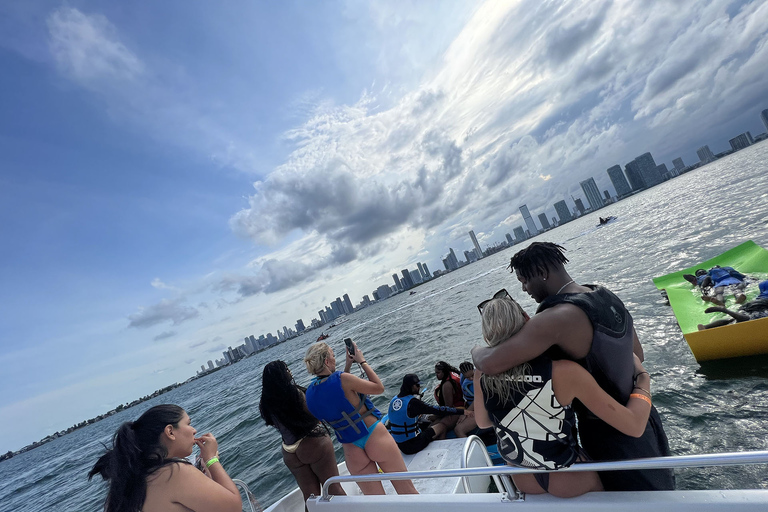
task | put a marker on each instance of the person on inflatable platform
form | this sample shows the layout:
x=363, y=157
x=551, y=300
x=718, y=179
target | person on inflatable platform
x=721, y=280
x=589, y=325
x=753, y=310
x=529, y=407
x=404, y=412
x=340, y=399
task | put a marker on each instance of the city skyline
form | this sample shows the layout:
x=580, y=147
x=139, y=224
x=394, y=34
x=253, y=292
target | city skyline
x=175, y=180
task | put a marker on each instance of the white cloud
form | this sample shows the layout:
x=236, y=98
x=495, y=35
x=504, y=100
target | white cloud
x=88, y=50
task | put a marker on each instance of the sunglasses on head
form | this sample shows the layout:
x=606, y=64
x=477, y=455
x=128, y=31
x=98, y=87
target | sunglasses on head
x=501, y=294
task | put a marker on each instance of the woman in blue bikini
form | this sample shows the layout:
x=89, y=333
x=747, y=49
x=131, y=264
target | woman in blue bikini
x=340, y=399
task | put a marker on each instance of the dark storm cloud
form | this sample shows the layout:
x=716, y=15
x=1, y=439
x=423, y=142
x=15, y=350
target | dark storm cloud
x=350, y=210
x=167, y=310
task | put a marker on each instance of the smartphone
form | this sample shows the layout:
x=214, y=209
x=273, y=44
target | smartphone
x=350, y=346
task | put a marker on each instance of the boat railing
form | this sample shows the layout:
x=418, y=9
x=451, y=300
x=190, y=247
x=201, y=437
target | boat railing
x=473, y=445
x=680, y=461
x=250, y=499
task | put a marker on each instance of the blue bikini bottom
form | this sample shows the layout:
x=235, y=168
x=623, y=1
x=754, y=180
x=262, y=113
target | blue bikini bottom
x=360, y=443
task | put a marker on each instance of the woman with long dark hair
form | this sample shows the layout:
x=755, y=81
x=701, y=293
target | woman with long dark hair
x=147, y=468
x=307, y=448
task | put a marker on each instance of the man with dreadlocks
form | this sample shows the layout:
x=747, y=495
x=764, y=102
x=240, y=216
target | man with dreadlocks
x=590, y=325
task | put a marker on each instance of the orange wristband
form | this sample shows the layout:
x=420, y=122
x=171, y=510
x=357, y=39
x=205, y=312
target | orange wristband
x=641, y=397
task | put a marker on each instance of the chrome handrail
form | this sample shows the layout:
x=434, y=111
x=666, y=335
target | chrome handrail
x=680, y=461
x=252, y=503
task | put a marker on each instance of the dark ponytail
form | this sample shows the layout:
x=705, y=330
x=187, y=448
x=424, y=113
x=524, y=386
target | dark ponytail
x=136, y=452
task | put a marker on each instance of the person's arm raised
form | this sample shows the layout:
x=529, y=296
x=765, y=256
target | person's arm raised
x=564, y=325
x=569, y=381
x=372, y=386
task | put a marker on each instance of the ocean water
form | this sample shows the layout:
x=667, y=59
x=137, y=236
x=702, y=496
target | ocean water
x=714, y=408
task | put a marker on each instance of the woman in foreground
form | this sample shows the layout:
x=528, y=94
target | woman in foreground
x=148, y=472
x=340, y=399
x=307, y=448
x=529, y=407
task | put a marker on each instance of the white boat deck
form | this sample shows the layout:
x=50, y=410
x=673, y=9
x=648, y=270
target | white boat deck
x=449, y=494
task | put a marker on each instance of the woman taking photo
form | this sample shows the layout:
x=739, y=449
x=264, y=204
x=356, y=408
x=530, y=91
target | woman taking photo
x=307, y=448
x=147, y=470
x=529, y=407
x=340, y=399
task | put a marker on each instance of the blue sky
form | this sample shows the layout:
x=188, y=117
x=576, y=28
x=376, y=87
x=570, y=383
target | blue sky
x=175, y=176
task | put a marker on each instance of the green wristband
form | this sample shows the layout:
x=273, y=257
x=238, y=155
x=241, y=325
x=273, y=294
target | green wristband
x=211, y=462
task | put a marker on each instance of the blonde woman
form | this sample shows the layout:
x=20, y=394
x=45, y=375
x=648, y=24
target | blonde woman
x=340, y=399
x=529, y=407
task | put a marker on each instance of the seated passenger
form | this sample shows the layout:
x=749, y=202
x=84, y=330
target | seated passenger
x=467, y=424
x=448, y=391
x=753, y=310
x=529, y=408
x=404, y=412
x=147, y=467
x=307, y=448
x=340, y=399
x=467, y=370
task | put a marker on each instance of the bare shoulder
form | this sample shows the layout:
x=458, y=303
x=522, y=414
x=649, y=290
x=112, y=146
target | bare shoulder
x=564, y=325
x=169, y=473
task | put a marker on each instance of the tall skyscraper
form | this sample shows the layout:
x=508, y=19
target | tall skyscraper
x=764, y=118
x=544, y=221
x=619, y=181
x=397, y=282
x=383, y=292
x=563, y=212
x=741, y=141
x=648, y=170
x=477, y=245
x=634, y=176
x=336, y=308
x=528, y=220
x=579, y=205
x=348, y=304
x=593, y=193
x=705, y=154
x=454, y=259
x=678, y=163
x=406, y=278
